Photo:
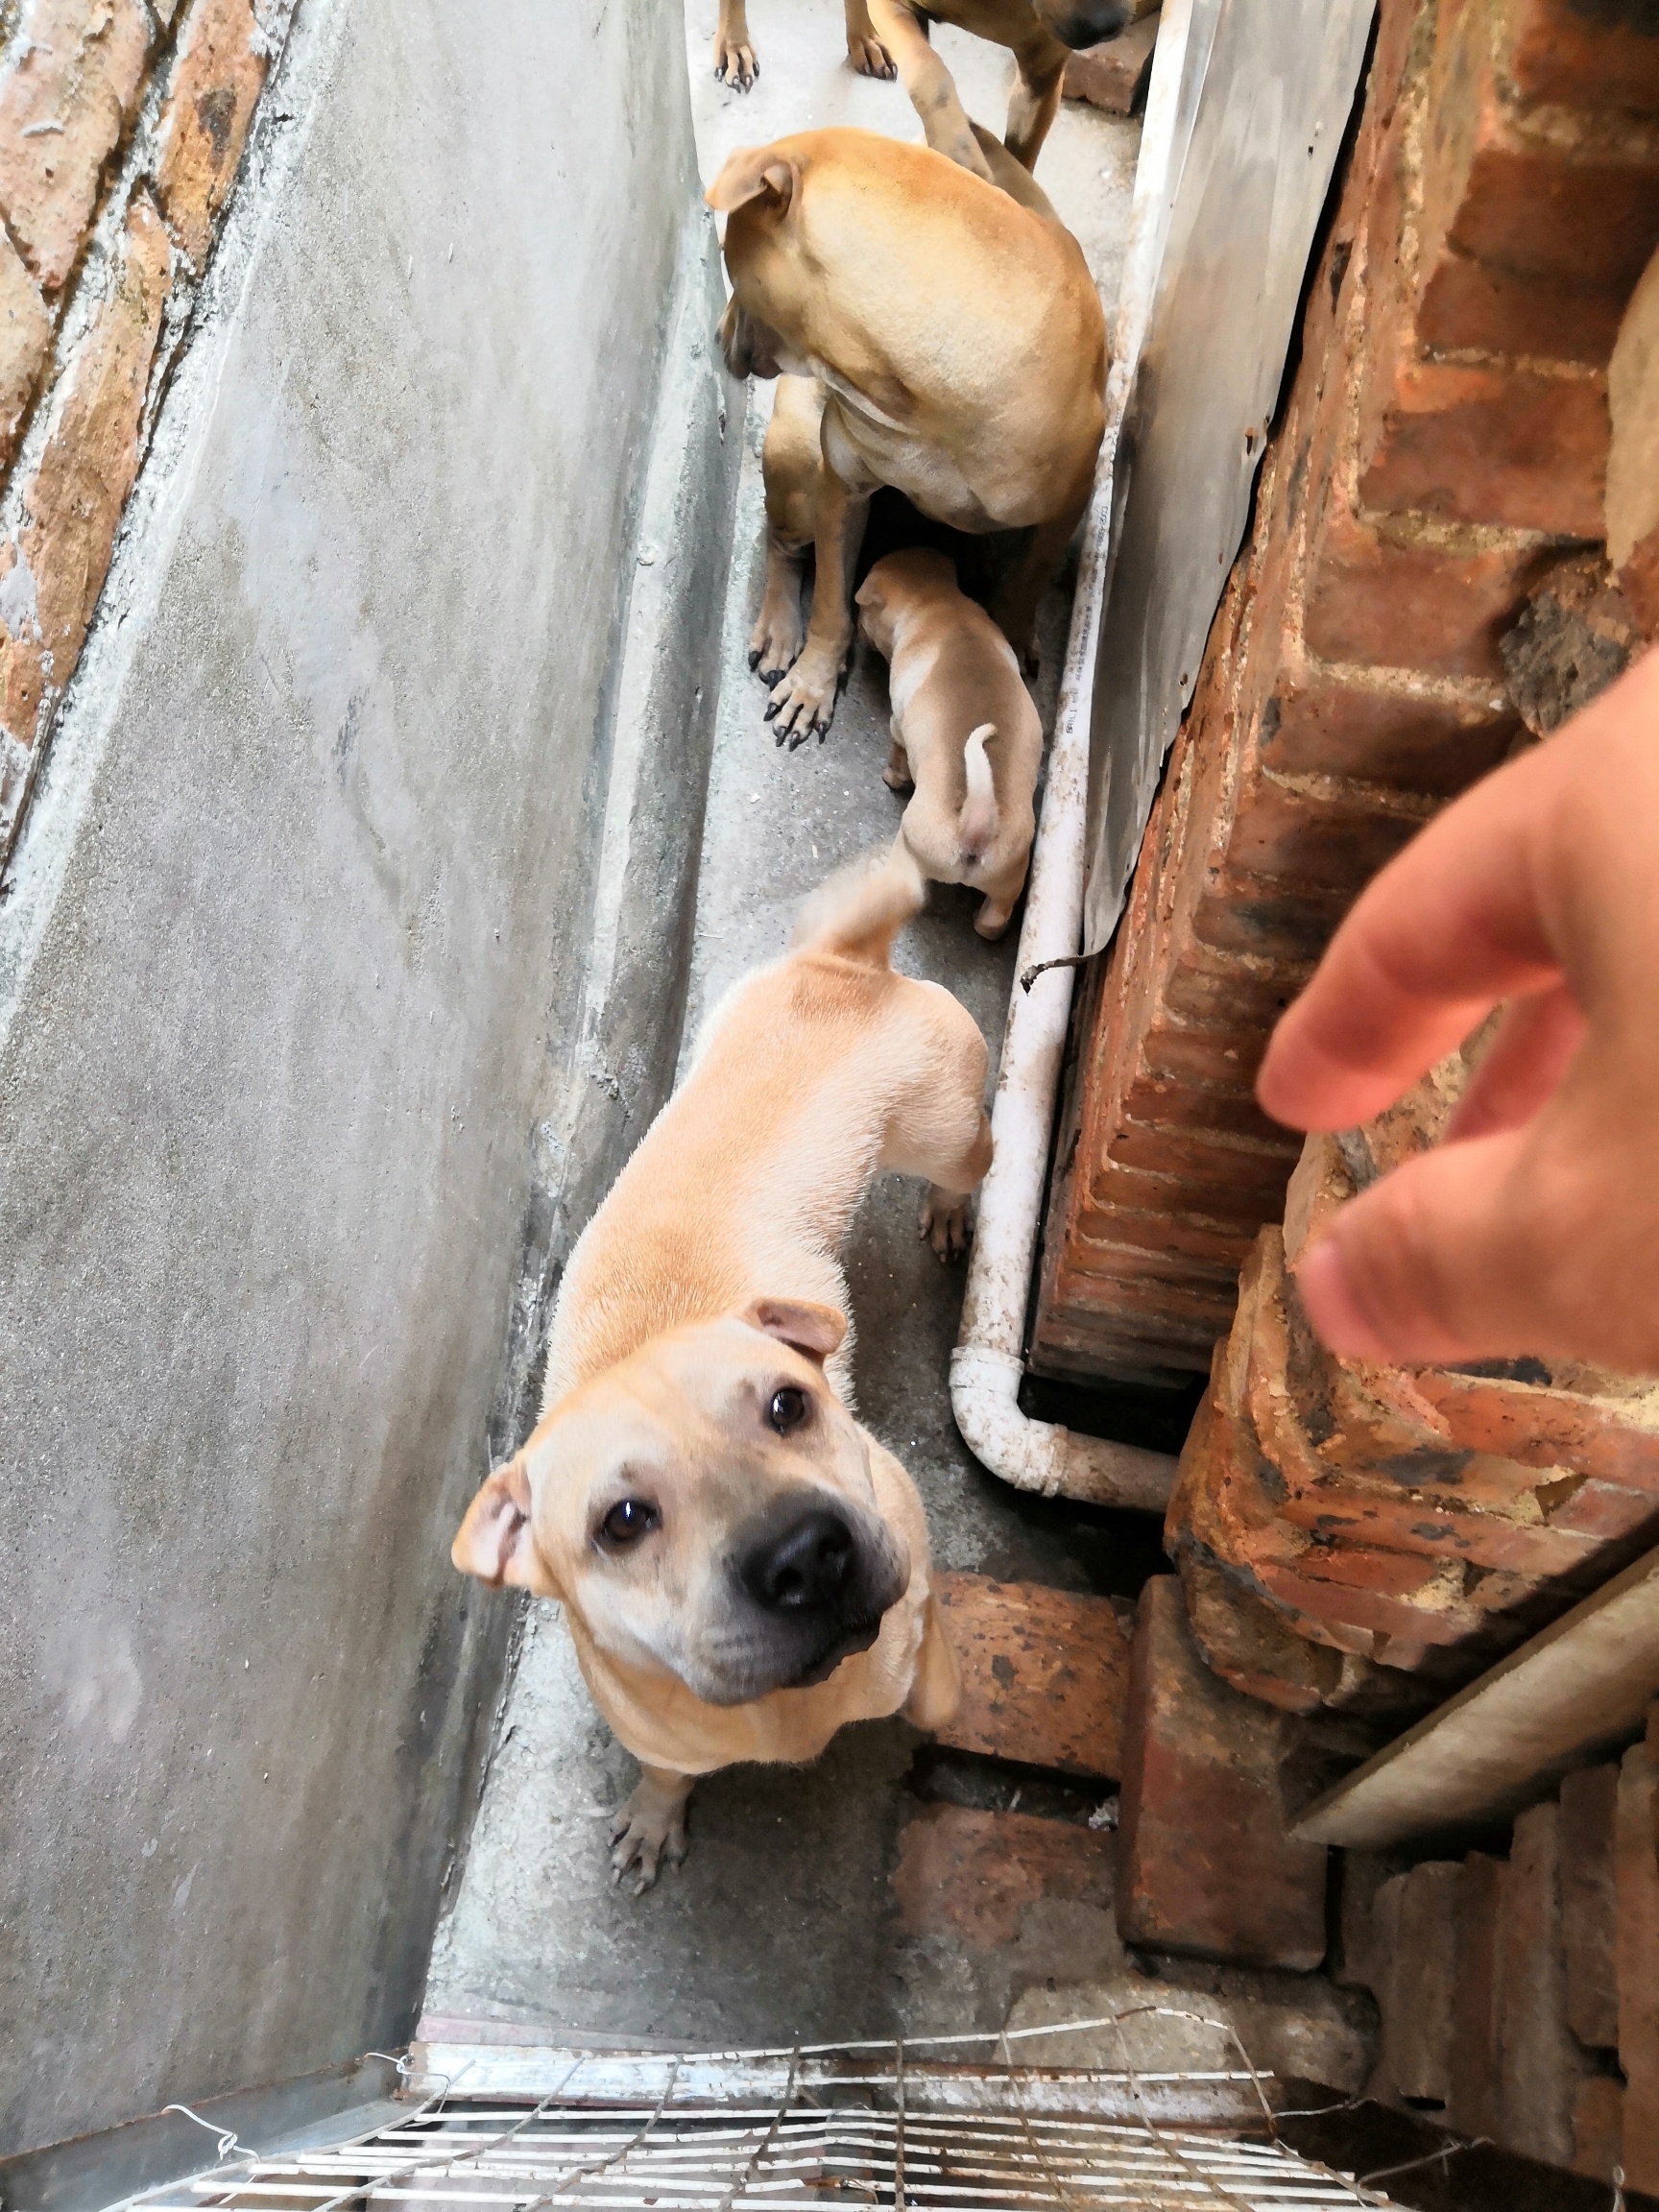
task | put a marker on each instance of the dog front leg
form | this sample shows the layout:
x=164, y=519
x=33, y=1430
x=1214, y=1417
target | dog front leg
x=804, y=700
x=864, y=48
x=774, y=641
x=936, y=1687
x=735, y=61
x=896, y=774
x=1014, y=609
x=650, y=1827
x=1034, y=102
x=932, y=91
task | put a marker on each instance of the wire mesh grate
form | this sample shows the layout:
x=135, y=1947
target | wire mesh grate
x=780, y=2132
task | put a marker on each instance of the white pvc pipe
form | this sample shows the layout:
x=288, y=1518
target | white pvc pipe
x=987, y=1366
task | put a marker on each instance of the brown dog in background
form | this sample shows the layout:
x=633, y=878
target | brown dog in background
x=736, y=63
x=965, y=735
x=743, y=1567
x=959, y=337
x=1041, y=35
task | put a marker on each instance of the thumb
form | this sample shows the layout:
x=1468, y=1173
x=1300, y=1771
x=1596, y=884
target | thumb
x=1443, y=1259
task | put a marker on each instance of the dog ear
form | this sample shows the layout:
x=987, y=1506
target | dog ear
x=750, y=171
x=494, y=1542
x=811, y=1330
x=868, y=593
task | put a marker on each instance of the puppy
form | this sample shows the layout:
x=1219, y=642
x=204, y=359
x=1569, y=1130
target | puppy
x=966, y=736
x=1040, y=35
x=736, y=65
x=959, y=340
x=790, y=460
x=743, y=1568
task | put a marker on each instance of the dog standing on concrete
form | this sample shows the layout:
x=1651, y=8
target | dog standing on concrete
x=965, y=735
x=744, y=1569
x=1039, y=34
x=958, y=338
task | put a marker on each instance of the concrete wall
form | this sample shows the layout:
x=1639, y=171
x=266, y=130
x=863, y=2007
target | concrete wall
x=304, y=1080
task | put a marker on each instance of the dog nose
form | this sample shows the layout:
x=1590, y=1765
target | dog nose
x=807, y=1566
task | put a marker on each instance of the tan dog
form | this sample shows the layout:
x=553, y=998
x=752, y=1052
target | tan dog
x=790, y=461
x=965, y=735
x=959, y=339
x=734, y=58
x=743, y=1568
x=1040, y=35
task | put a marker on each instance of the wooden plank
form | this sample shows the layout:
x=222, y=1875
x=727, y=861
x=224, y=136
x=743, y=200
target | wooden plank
x=1500, y=1745
x=1045, y=1674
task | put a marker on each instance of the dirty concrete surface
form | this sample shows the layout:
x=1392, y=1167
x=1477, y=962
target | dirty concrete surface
x=784, y=1923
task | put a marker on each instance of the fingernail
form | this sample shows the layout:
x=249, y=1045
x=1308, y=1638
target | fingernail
x=1322, y=1279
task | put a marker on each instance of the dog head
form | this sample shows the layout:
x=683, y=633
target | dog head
x=704, y=1507
x=896, y=581
x=1084, y=22
x=758, y=191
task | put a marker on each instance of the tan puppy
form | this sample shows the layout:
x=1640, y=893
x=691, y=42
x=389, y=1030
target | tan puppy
x=959, y=339
x=790, y=459
x=1040, y=35
x=743, y=1568
x=736, y=63
x=965, y=735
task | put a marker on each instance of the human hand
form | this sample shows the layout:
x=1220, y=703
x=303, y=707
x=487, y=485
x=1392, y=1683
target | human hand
x=1534, y=1227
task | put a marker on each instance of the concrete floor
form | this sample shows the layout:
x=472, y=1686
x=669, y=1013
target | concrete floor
x=784, y=1924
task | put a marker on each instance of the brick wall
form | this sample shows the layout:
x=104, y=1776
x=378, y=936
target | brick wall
x=1443, y=445
x=122, y=127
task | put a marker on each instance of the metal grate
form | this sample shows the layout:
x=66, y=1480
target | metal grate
x=776, y=2132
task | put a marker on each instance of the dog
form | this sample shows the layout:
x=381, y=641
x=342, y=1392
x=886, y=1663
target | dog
x=790, y=459
x=959, y=340
x=1040, y=35
x=956, y=693
x=743, y=1567
x=734, y=60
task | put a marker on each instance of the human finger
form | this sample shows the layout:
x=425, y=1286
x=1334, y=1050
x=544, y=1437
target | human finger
x=1520, y=1069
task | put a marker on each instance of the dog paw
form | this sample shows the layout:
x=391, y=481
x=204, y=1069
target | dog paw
x=803, y=704
x=645, y=1834
x=774, y=645
x=943, y=1223
x=734, y=66
x=904, y=784
x=871, y=59
x=993, y=918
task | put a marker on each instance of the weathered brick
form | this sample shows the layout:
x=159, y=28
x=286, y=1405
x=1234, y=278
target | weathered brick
x=1360, y=1958
x=1205, y=1864
x=55, y=565
x=1636, y=1879
x=973, y=1875
x=1589, y=1812
x=221, y=66
x=63, y=104
x=1583, y=55
x=1321, y=829
x=1385, y=593
x=1045, y=1674
x=1598, y=2128
x=1417, y=2026
x=1113, y=74
x=25, y=335
x=1540, y=2063
x=1244, y=1640
x=1330, y=722
x=1473, y=2103
x=1633, y=457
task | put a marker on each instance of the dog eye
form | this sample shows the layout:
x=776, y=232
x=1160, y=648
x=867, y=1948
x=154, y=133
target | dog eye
x=627, y=1520
x=787, y=1410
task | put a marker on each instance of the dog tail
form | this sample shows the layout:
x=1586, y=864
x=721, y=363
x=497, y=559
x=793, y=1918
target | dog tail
x=977, y=824
x=860, y=910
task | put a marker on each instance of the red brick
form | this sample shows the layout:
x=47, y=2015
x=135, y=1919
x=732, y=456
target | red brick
x=1639, y=579
x=1205, y=1864
x=1113, y=74
x=1491, y=442
x=1545, y=1427
x=1540, y=2065
x=1321, y=830
x=1636, y=1880
x=1243, y=1638
x=63, y=107
x=1473, y=2098
x=1327, y=723
x=221, y=67
x=1589, y=1812
x=1383, y=592
x=1583, y=55
x=1633, y=458
x=1045, y=1674
x=1472, y=305
x=974, y=1875
x=25, y=335
x=1598, y=2128
x=73, y=503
